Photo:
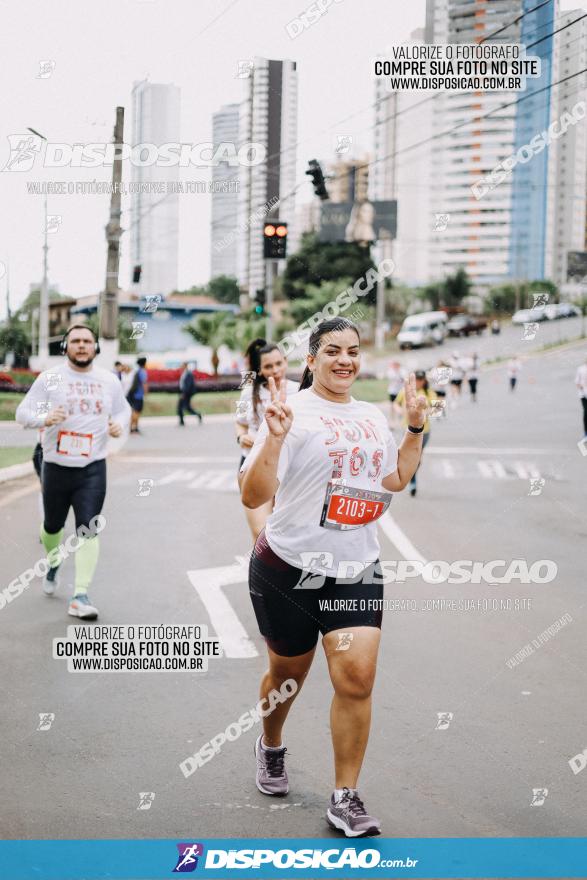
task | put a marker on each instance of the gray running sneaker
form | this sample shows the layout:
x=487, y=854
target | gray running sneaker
x=51, y=581
x=271, y=776
x=350, y=816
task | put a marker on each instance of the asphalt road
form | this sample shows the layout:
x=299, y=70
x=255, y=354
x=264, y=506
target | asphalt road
x=513, y=728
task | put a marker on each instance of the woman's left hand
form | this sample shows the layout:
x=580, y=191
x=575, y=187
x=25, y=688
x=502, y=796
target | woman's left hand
x=416, y=404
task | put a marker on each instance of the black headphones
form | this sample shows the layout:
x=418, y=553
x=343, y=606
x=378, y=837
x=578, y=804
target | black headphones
x=63, y=344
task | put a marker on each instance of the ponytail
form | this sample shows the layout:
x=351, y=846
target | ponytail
x=307, y=379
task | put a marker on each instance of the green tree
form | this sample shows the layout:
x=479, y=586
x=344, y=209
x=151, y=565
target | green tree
x=224, y=289
x=501, y=298
x=15, y=337
x=455, y=288
x=126, y=345
x=543, y=286
x=318, y=261
x=195, y=290
x=224, y=328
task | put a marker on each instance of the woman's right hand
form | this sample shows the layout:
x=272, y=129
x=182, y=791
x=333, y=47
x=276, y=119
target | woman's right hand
x=246, y=440
x=278, y=415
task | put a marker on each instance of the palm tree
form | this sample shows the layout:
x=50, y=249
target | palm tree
x=224, y=328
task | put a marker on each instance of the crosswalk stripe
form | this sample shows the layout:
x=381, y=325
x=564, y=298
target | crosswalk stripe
x=176, y=476
x=221, y=480
x=490, y=468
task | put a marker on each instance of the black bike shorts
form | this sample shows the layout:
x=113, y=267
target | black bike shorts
x=291, y=619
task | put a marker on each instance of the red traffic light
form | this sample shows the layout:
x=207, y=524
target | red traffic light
x=281, y=231
x=269, y=229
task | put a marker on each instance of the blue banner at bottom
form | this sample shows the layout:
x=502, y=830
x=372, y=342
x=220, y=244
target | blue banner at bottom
x=286, y=858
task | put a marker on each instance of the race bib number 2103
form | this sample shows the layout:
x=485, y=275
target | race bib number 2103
x=347, y=508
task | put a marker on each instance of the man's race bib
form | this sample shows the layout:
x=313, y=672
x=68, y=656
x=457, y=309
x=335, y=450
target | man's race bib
x=348, y=508
x=72, y=443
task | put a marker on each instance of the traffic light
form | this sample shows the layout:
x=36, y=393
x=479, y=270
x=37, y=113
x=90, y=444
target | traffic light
x=274, y=240
x=136, y=274
x=259, y=302
x=315, y=172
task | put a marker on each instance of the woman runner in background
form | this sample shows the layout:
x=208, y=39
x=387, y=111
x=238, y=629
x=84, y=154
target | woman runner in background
x=401, y=401
x=264, y=361
x=331, y=463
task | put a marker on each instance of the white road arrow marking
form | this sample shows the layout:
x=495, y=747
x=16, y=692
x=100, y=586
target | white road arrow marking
x=208, y=583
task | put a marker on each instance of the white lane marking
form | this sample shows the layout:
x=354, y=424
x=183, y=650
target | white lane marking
x=224, y=481
x=179, y=459
x=525, y=470
x=399, y=539
x=175, y=476
x=208, y=583
x=486, y=450
x=492, y=468
x=430, y=450
x=445, y=468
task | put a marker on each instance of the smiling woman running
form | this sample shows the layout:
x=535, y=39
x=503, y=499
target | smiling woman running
x=332, y=463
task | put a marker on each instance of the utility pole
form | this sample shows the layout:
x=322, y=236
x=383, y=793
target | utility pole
x=380, y=301
x=8, y=315
x=108, y=328
x=270, y=276
x=44, y=306
x=43, y=353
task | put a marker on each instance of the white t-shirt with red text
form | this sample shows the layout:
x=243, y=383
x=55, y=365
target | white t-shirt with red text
x=89, y=398
x=349, y=442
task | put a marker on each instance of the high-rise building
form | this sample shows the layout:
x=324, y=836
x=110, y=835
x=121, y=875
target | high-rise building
x=530, y=179
x=502, y=234
x=268, y=116
x=401, y=170
x=348, y=180
x=154, y=226
x=567, y=181
x=225, y=186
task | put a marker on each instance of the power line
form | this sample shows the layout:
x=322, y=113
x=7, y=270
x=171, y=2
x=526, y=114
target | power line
x=514, y=21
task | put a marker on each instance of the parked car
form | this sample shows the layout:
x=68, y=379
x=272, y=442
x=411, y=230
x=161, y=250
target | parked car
x=425, y=328
x=527, y=316
x=570, y=311
x=561, y=310
x=463, y=325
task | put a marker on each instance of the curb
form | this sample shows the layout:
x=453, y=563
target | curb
x=15, y=471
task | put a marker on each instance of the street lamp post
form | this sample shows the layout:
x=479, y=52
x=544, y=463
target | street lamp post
x=44, y=298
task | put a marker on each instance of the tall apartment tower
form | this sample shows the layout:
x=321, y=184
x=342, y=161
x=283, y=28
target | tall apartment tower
x=268, y=115
x=530, y=179
x=154, y=229
x=402, y=170
x=489, y=237
x=225, y=186
x=567, y=182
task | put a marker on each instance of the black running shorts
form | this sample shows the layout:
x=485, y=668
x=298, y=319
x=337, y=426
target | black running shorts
x=83, y=488
x=291, y=619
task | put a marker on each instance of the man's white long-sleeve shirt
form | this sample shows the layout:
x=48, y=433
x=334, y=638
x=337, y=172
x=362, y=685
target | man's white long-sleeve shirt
x=89, y=398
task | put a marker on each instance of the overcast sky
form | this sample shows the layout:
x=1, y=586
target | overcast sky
x=99, y=49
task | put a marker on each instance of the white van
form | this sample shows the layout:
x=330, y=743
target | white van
x=425, y=328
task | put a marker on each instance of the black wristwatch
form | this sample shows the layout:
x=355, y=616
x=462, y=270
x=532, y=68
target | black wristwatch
x=413, y=430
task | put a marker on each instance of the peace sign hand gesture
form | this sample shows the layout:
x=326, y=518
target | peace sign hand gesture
x=416, y=404
x=278, y=414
